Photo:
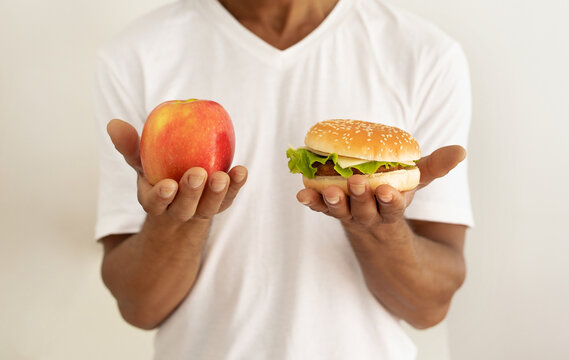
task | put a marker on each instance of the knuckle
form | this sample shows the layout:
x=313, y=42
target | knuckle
x=180, y=216
x=153, y=211
x=228, y=201
x=399, y=209
x=141, y=198
x=321, y=209
x=225, y=205
x=209, y=208
x=315, y=206
x=151, y=207
x=230, y=195
x=204, y=214
x=392, y=217
x=146, y=208
x=142, y=201
x=201, y=217
x=388, y=220
x=365, y=221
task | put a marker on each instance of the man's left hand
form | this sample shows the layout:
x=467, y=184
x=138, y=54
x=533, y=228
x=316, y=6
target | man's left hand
x=412, y=267
x=386, y=205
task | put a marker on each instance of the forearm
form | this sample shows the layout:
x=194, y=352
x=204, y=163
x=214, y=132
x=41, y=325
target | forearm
x=151, y=272
x=412, y=276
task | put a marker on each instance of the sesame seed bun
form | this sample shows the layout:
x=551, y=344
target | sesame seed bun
x=367, y=141
x=362, y=140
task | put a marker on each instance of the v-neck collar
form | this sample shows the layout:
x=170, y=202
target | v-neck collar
x=260, y=48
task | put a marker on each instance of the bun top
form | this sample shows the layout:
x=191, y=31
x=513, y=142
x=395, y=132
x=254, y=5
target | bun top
x=362, y=140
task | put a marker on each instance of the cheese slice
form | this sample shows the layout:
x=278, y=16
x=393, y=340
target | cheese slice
x=346, y=161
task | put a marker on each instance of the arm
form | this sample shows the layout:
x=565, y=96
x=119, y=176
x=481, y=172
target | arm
x=413, y=275
x=151, y=272
x=412, y=267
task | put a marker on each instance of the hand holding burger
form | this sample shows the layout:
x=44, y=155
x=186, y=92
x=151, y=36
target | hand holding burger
x=338, y=149
x=379, y=167
x=399, y=258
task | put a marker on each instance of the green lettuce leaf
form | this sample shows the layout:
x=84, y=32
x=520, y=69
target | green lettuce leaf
x=302, y=161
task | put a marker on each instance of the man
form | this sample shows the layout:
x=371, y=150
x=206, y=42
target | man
x=228, y=270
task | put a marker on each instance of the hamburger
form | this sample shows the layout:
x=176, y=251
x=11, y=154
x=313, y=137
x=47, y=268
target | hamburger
x=337, y=149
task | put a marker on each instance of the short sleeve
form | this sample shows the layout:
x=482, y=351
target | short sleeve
x=118, y=210
x=443, y=114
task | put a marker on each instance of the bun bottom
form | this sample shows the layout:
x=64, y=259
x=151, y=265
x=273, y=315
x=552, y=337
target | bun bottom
x=402, y=180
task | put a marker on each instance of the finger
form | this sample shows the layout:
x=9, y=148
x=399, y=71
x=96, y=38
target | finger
x=126, y=141
x=363, y=205
x=190, y=191
x=237, y=177
x=337, y=203
x=391, y=204
x=440, y=162
x=155, y=199
x=408, y=196
x=312, y=199
x=213, y=195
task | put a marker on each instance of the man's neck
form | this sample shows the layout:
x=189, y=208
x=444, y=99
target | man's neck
x=281, y=23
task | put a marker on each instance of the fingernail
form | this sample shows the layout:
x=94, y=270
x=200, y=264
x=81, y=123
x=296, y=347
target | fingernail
x=304, y=202
x=239, y=176
x=167, y=191
x=385, y=198
x=357, y=189
x=196, y=180
x=217, y=185
x=332, y=200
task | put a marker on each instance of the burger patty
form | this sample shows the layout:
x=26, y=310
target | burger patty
x=327, y=169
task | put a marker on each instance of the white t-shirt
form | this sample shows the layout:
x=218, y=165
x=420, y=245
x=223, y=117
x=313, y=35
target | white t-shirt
x=279, y=281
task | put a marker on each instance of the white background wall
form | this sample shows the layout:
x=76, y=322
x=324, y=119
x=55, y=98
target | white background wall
x=514, y=303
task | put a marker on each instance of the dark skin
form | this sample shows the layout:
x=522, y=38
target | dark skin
x=280, y=23
x=150, y=272
x=412, y=267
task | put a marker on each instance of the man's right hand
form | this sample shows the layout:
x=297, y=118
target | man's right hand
x=195, y=196
x=152, y=271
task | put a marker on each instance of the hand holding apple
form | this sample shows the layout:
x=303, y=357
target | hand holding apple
x=196, y=194
x=182, y=134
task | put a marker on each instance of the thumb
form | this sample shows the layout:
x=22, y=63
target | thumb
x=126, y=141
x=440, y=163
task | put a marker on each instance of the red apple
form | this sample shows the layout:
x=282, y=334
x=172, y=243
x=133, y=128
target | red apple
x=181, y=134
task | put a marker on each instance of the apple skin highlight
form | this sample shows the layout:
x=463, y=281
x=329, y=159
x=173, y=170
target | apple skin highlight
x=181, y=134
